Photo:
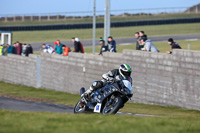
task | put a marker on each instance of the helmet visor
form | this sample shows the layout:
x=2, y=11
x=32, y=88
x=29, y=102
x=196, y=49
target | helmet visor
x=126, y=73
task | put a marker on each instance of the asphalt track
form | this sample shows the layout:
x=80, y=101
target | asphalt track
x=21, y=105
x=121, y=41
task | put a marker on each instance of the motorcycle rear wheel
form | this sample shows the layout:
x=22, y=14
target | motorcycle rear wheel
x=114, y=107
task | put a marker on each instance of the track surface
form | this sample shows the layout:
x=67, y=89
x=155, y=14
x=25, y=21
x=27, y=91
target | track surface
x=120, y=41
x=21, y=105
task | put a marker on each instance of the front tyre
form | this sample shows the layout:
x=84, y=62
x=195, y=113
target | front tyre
x=112, y=108
x=80, y=107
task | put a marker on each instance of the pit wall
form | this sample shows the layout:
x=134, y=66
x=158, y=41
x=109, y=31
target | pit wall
x=169, y=80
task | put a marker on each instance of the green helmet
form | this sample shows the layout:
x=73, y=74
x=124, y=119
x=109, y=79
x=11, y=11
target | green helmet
x=125, y=70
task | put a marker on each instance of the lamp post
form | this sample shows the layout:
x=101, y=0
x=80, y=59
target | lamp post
x=107, y=21
x=94, y=25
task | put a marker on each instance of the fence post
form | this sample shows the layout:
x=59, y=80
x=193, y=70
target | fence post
x=31, y=17
x=39, y=17
x=6, y=19
x=14, y=19
x=188, y=46
x=38, y=72
x=48, y=17
x=196, y=9
x=57, y=17
x=22, y=17
x=65, y=16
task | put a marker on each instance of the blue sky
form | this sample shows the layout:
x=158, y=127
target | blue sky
x=53, y=6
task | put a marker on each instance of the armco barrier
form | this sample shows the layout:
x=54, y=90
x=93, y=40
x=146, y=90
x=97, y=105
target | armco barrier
x=157, y=78
x=100, y=25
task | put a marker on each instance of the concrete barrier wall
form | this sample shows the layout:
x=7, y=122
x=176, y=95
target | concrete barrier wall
x=157, y=78
x=18, y=69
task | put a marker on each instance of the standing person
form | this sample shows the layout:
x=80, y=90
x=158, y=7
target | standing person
x=24, y=49
x=5, y=50
x=58, y=47
x=102, y=46
x=9, y=49
x=81, y=45
x=1, y=49
x=77, y=45
x=148, y=45
x=66, y=50
x=18, y=48
x=138, y=45
x=174, y=45
x=111, y=44
x=29, y=50
x=14, y=50
x=141, y=33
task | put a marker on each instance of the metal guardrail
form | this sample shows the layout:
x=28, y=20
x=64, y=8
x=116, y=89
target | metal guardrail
x=99, y=25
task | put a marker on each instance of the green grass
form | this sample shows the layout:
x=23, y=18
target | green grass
x=45, y=122
x=19, y=90
x=171, y=119
x=84, y=34
x=162, y=46
x=101, y=19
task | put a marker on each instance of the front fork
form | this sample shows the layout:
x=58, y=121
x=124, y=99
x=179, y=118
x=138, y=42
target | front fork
x=110, y=101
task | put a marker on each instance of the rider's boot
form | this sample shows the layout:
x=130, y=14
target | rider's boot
x=88, y=92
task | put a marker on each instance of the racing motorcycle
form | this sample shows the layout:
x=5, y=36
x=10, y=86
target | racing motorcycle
x=106, y=100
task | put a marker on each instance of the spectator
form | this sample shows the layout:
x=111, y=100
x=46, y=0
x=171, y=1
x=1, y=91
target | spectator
x=14, y=50
x=24, y=49
x=5, y=51
x=174, y=45
x=111, y=44
x=138, y=45
x=148, y=45
x=1, y=49
x=141, y=33
x=58, y=47
x=18, y=48
x=10, y=49
x=47, y=48
x=102, y=46
x=29, y=50
x=82, y=49
x=77, y=45
x=66, y=50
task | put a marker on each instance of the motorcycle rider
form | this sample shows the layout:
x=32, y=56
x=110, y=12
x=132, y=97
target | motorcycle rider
x=123, y=72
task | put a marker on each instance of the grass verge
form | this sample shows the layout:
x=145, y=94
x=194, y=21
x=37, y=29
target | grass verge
x=84, y=34
x=46, y=122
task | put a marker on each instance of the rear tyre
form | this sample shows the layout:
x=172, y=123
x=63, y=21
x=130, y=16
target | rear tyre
x=114, y=106
x=79, y=108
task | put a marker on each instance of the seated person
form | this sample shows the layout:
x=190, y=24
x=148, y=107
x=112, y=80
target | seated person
x=47, y=48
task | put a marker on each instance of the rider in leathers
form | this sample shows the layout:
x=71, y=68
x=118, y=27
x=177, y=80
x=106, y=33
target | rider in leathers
x=123, y=72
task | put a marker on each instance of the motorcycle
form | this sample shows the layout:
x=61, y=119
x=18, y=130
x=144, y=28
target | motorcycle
x=106, y=100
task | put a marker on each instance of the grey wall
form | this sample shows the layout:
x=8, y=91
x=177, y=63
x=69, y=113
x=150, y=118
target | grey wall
x=18, y=69
x=157, y=78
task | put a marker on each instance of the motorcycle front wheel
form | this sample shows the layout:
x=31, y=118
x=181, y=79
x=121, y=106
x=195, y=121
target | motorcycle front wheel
x=112, y=108
x=79, y=108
